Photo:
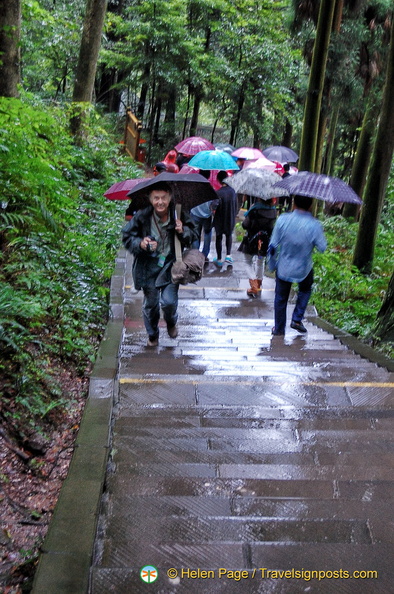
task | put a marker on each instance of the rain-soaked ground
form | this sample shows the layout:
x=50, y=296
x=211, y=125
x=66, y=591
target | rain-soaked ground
x=243, y=462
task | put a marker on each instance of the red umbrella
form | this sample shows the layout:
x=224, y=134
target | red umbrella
x=193, y=145
x=119, y=190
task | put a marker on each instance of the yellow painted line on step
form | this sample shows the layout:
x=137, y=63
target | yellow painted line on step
x=172, y=380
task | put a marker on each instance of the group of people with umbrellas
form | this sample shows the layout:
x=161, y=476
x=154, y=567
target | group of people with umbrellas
x=155, y=227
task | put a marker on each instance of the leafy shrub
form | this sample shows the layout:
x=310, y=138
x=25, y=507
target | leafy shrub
x=58, y=239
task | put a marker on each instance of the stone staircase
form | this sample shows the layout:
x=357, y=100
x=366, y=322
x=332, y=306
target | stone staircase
x=236, y=453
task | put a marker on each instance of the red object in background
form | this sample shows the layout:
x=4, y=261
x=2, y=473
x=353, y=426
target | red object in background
x=119, y=190
x=212, y=175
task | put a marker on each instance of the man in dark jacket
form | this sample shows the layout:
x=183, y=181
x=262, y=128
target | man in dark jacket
x=150, y=237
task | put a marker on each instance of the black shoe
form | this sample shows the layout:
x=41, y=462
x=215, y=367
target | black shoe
x=298, y=326
x=172, y=331
x=153, y=341
x=275, y=333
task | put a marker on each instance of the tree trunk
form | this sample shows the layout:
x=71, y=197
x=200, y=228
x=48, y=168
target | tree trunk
x=169, y=120
x=362, y=158
x=88, y=56
x=327, y=162
x=196, y=110
x=384, y=329
x=144, y=92
x=308, y=150
x=378, y=173
x=287, y=134
x=10, y=24
x=237, y=119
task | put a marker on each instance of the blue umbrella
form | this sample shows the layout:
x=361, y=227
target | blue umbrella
x=209, y=160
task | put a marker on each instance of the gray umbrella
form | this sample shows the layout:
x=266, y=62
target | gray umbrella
x=320, y=186
x=256, y=182
x=279, y=153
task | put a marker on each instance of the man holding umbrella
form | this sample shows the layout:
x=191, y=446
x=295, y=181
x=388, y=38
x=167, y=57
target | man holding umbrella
x=150, y=237
x=290, y=250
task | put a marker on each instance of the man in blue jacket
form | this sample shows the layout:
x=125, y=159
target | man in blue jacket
x=294, y=237
x=150, y=237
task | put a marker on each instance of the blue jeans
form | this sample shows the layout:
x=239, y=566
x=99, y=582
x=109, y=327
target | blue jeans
x=206, y=226
x=167, y=298
x=282, y=292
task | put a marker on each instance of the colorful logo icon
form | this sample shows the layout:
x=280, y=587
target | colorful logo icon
x=149, y=574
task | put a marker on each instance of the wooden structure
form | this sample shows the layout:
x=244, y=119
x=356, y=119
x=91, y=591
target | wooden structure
x=132, y=136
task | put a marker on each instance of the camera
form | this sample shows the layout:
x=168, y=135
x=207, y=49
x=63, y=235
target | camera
x=149, y=248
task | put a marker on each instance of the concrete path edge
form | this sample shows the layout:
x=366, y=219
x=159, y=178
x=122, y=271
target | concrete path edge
x=353, y=343
x=66, y=554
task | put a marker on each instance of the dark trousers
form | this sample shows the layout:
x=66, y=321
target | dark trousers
x=167, y=298
x=282, y=292
x=218, y=244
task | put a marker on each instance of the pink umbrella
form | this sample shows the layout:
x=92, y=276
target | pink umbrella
x=261, y=163
x=212, y=175
x=247, y=153
x=119, y=190
x=193, y=145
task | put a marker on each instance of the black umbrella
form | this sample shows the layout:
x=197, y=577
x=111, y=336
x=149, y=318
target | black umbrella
x=189, y=190
x=318, y=185
x=279, y=153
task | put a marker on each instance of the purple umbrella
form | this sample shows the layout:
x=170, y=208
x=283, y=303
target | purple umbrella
x=320, y=186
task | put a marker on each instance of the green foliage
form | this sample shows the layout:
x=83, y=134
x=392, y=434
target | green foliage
x=58, y=239
x=342, y=295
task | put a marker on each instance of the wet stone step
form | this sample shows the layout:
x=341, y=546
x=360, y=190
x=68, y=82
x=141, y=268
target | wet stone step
x=202, y=529
x=257, y=414
x=290, y=455
x=177, y=420
x=252, y=507
x=258, y=471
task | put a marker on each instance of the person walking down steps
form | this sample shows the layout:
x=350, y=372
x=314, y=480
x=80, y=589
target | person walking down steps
x=258, y=222
x=150, y=237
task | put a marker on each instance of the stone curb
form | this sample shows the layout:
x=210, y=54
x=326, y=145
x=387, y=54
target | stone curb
x=65, y=561
x=354, y=343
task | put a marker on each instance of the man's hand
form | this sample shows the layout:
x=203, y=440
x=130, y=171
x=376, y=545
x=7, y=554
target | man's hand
x=148, y=244
x=179, y=226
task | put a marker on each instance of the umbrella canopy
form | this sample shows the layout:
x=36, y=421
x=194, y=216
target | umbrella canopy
x=256, y=182
x=189, y=189
x=248, y=153
x=119, y=190
x=318, y=185
x=261, y=163
x=283, y=154
x=193, y=145
x=219, y=160
x=225, y=146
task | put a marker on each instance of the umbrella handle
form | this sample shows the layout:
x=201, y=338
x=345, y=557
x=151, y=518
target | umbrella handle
x=178, y=247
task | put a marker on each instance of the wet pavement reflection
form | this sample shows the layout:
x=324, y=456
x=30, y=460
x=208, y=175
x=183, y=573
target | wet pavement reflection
x=234, y=450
